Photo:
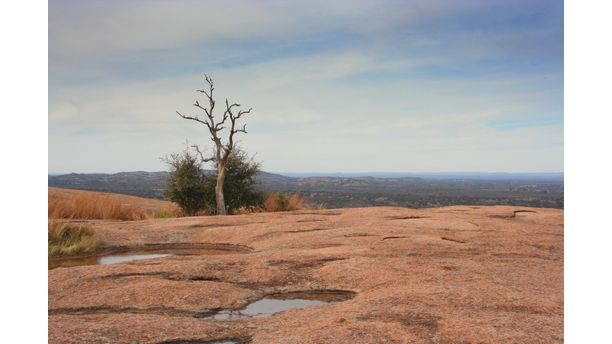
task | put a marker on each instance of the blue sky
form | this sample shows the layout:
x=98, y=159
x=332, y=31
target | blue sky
x=360, y=86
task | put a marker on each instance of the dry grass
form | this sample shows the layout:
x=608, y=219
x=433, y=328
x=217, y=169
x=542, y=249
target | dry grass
x=71, y=239
x=93, y=207
x=248, y=210
x=69, y=204
x=166, y=213
x=88, y=205
x=282, y=202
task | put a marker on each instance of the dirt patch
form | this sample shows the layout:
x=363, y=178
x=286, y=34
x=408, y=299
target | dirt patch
x=316, y=295
x=204, y=246
x=309, y=230
x=453, y=240
x=394, y=237
x=407, y=217
x=293, y=264
x=450, y=268
x=104, y=310
x=355, y=235
x=231, y=340
x=513, y=215
x=422, y=325
x=209, y=225
x=281, y=233
x=324, y=213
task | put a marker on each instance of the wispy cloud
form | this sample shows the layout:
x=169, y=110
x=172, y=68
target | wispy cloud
x=392, y=85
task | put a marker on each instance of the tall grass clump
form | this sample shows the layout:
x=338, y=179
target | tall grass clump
x=281, y=202
x=70, y=239
x=167, y=213
x=91, y=206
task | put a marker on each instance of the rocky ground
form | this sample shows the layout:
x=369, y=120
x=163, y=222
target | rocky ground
x=444, y=275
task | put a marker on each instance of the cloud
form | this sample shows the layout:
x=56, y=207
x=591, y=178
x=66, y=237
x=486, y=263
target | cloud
x=334, y=87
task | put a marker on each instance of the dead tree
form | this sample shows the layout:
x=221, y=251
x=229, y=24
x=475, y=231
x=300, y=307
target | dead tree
x=221, y=151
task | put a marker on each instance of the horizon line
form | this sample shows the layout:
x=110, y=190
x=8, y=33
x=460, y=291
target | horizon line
x=359, y=173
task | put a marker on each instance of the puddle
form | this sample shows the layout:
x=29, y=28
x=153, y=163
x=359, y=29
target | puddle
x=515, y=214
x=150, y=252
x=128, y=258
x=104, y=260
x=276, y=303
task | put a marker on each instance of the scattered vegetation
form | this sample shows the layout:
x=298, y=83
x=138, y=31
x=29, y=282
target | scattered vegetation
x=92, y=206
x=71, y=239
x=278, y=202
x=282, y=202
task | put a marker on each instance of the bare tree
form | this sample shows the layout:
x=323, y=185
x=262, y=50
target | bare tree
x=221, y=151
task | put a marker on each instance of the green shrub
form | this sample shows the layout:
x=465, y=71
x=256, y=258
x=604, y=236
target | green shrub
x=186, y=183
x=193, y=189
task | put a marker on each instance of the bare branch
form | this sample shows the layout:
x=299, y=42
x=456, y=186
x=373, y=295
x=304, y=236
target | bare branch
x=229, y=107
x=197, y=104
x=206, y=93
x=241, y=112
x=194, y=119
x=209, y=81
x=197, y=148
x=243, y=130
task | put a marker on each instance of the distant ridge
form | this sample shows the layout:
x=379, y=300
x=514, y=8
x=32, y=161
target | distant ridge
x=137, y=183
x=345, y=191
x=433, y=175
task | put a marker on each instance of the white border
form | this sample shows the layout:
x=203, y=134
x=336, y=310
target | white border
x=588, y=224
x=24, y=123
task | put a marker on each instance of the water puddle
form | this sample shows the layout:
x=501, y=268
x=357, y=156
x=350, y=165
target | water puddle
x=276, y=303
x=130, y=257
x=150, y=252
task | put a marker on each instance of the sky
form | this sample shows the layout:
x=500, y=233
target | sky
x=343, y=86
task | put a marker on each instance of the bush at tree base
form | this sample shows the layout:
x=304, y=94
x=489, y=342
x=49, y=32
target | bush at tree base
x=187, y=183
x=193, y=189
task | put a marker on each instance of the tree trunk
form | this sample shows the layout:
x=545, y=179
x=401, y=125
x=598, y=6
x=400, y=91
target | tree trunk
x=219, y=189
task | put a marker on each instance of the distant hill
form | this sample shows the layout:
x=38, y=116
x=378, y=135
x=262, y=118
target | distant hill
x=346, y=192
x=139, y=183
x=438, y=175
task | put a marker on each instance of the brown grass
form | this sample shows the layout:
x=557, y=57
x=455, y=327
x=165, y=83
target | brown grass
x=296, y=202
x=281, y=202
x=87, y=205
x=71, y=239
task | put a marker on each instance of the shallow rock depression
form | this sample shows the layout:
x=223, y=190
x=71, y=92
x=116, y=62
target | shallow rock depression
x=369, y=275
